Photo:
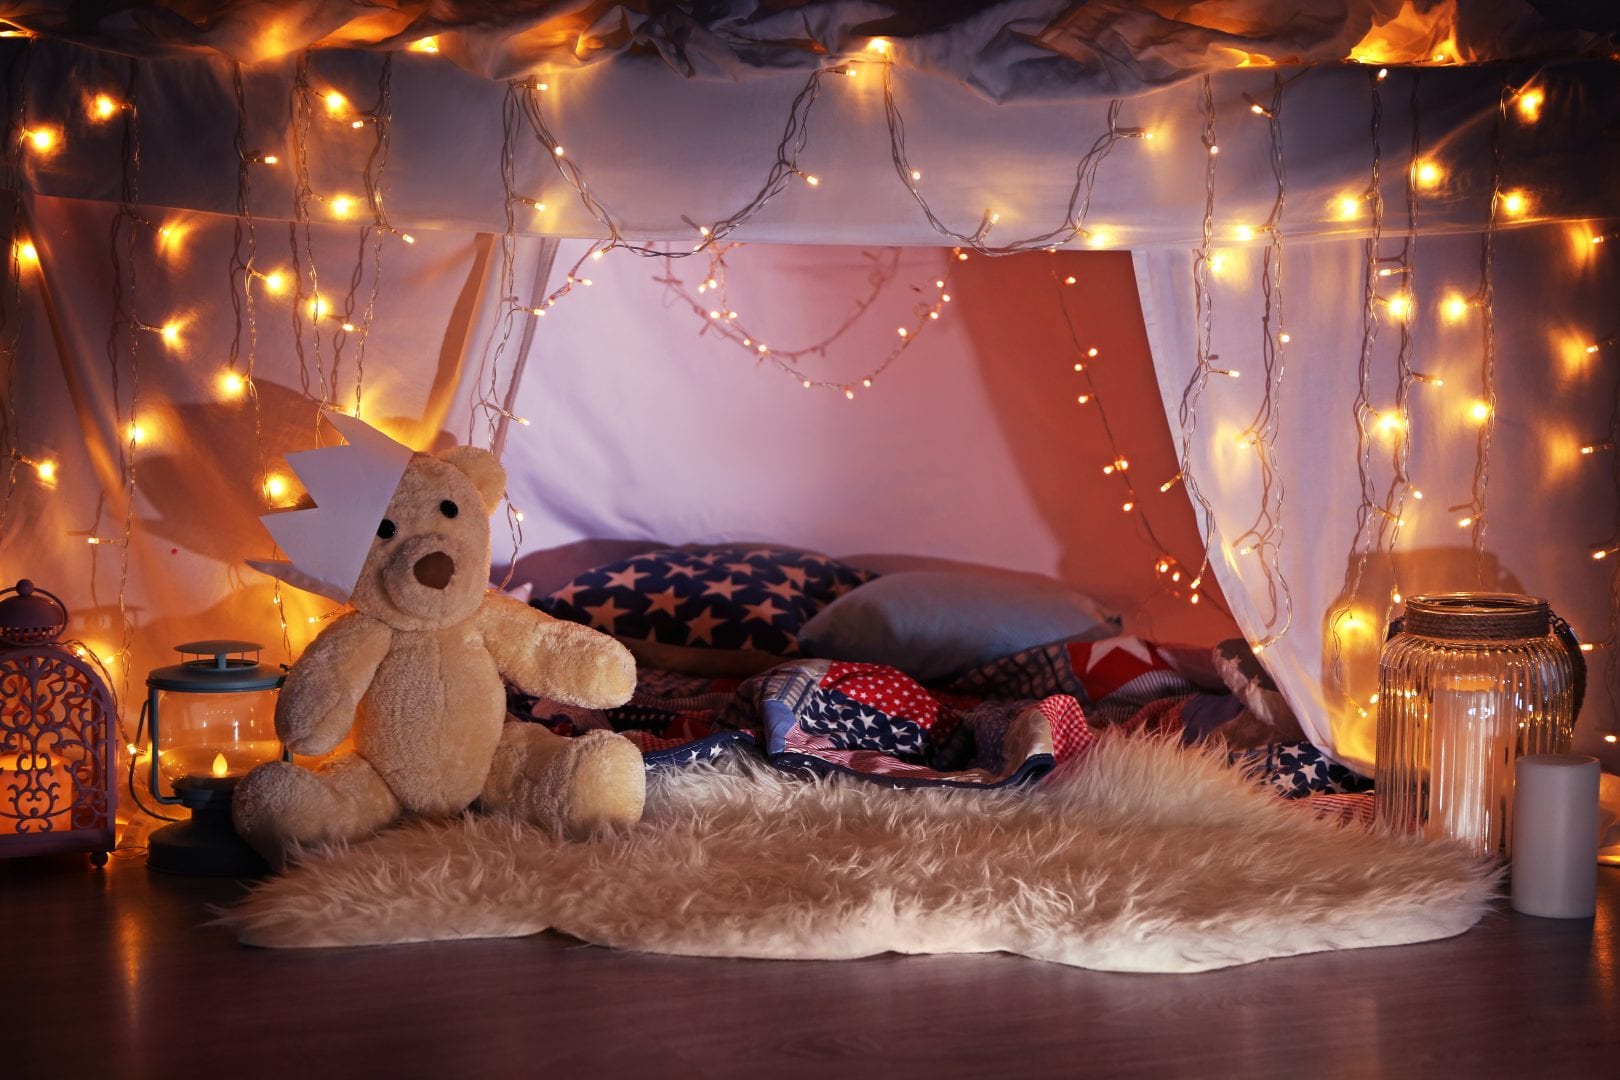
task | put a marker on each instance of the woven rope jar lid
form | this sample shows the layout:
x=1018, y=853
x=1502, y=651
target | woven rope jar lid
x=1477, y=616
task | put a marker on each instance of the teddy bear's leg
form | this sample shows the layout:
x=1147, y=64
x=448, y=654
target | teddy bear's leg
x=280, y=804
x=579, y=786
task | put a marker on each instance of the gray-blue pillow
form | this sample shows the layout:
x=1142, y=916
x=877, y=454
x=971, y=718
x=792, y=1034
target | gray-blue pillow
x=935, y=624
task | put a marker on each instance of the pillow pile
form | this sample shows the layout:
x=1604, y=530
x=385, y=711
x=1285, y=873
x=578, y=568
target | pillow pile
x=715, y=611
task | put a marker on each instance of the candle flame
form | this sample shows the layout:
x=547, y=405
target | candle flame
x=220, y=766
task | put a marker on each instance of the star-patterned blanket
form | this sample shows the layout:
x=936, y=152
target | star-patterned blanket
x=1008, y=722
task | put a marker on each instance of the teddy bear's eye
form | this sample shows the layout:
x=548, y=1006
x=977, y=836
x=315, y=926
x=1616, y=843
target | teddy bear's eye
x=449, y=509
x=385, y=530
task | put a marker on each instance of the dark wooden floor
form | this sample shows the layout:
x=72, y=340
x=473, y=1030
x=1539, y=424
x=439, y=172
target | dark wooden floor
x=117, y=973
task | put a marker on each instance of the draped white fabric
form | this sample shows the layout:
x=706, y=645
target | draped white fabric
x=1546, y=504
x=607, y=370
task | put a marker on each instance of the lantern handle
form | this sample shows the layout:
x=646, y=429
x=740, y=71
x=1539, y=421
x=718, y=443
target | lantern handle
x=1577, y=662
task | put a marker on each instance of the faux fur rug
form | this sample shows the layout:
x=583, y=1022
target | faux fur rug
x=1146, y=857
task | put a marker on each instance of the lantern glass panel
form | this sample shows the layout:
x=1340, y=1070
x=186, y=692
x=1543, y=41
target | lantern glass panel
x=216, y=734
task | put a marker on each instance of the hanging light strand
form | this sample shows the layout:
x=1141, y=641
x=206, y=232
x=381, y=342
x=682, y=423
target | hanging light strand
x=1075, y=213
x=241, y=361
x=1486, y=299
x=327, y=388
x=1392, y=516
x=1165, y=563
x=795, y=136
x=712, y=308
x=124, y=342
x=1191, y=395
x=1264, y=536
x=16, y=83
x=1342, y=615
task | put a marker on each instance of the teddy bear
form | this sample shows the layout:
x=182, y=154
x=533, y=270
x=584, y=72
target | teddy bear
x=417, y=670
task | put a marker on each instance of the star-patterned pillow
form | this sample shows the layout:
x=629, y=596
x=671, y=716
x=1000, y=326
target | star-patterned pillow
x=732, y=610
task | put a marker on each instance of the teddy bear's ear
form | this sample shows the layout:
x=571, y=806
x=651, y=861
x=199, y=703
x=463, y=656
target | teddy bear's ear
x=485, y=470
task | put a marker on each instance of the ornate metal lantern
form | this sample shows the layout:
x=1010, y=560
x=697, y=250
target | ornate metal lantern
x=58, y=785
x=212, y=719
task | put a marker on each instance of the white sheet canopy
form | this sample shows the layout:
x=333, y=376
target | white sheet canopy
x=646, y=424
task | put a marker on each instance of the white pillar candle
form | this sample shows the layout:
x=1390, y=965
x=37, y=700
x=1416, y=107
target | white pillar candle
x=1555, y=841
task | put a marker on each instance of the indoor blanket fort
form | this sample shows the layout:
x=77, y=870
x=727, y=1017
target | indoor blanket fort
x=1126, y=485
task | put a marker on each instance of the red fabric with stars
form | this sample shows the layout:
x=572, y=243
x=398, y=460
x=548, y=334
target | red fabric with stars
x=884, y=688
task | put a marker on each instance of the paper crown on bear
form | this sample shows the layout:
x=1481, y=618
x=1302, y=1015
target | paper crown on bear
x=326, y=545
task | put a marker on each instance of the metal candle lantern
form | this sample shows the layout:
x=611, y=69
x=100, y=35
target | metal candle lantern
x=212, y=719
x=1468, y=683
x=57, y=764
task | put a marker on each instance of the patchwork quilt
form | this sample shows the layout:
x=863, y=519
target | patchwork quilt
x=1009, y=722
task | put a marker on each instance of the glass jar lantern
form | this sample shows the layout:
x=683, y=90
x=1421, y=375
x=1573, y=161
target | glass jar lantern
x=211, y=719
x=58, y=781
x=1468, y=683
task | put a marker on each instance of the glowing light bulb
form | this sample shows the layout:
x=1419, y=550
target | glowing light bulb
x=318, y=308
x=270, y=159
x=275, y=487
x=903, y=332
x=1479, y=411
x=848, y=393
x=135, y=433
x=275, y=282
x=1400, y=306
x=881, y=46
x=26, y=253
x=1083, y=398
x=1217, y=264
x=103, y=107
x=1427, y=174
x=1529, y=104
x=812, y=180
x=1069, y=280
x=916, y=174
x=232, y=384
x=1515, y=203
x=45, y=470
x=1214, y=149
x=336, y=103
x=424, y=45
x=170, y=333
x=1348, y=206
x=559, y=151
x=1285, y=338
x=1454, y=307
x=342, y=206
x=1127, y=506
x=1465, y=522
x=43, y=140
x=1244, y=233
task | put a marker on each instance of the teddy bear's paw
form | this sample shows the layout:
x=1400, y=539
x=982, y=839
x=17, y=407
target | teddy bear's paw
x=606, y=786
x=280, y=809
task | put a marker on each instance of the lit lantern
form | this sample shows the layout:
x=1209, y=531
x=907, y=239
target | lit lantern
x=1468, y=683
x=212, y=719
x=57, y=765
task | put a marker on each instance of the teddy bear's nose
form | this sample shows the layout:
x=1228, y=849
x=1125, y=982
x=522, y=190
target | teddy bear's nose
x=435, y=569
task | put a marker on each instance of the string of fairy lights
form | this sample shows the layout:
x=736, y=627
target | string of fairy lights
x=1264, y=536
x=710, y=302
x=1170, y=571
x=332, y=325
x=1204, y=262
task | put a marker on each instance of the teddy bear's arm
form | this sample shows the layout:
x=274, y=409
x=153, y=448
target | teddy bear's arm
x=551, y=658
x=318, y=701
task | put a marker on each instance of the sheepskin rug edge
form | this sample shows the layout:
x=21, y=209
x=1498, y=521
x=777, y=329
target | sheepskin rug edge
x=1145, y=857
